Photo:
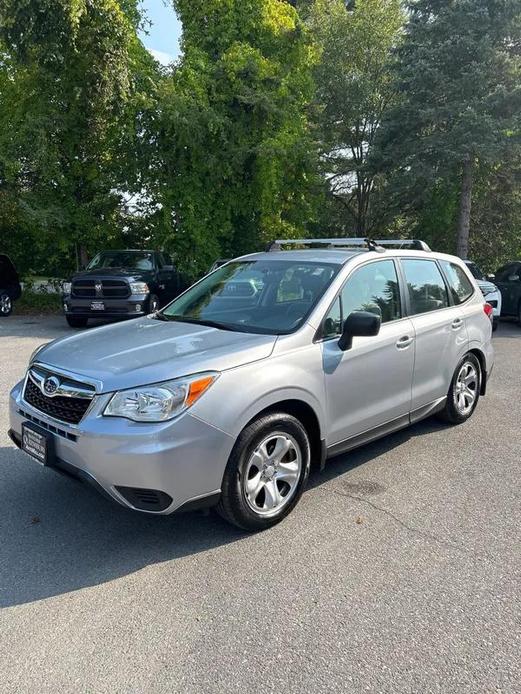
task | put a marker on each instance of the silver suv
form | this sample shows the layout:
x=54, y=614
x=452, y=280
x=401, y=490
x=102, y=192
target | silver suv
x=273, y=361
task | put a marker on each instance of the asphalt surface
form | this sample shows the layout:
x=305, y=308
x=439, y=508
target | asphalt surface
x=399, y=570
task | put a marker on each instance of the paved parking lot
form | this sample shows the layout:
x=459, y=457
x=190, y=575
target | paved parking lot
x=399, y=571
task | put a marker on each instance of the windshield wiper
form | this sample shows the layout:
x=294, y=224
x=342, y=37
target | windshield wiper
x=198, y=321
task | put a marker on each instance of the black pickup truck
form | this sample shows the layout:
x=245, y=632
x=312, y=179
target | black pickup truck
x=119, y=284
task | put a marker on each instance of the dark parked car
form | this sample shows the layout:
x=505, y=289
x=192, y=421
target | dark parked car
x=10, y=289
x=508, y=279
x=118, y=284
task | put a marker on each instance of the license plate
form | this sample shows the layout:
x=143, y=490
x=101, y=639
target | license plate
x=36, y=443
x=97, y=306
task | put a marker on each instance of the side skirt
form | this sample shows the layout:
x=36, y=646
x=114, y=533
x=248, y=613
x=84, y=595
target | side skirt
x=387, y=428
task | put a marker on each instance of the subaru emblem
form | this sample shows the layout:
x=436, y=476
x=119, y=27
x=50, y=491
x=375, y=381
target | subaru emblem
x=50, y=386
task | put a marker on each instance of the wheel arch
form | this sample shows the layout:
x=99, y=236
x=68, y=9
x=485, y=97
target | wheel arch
x=483, y=364
x=309, y=419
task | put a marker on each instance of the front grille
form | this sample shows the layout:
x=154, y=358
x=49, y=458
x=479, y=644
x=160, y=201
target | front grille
x=110, y=289
x=64, y=408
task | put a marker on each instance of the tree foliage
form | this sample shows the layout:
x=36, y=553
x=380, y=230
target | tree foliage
x=69, y=75
x=457, y=72
x=354, y=89
x=238, y=160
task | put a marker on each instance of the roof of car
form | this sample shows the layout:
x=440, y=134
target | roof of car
x=339, y=256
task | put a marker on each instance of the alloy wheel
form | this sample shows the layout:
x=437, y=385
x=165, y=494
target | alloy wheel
x=272, y=474
x=466, y=388
x=5, y=304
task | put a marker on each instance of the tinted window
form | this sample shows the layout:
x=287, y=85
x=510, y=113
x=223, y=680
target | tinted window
x=427, y=290
x=459, y=284
x=372, y=288
x=503, y=274
x=128, y=260
x=7, y=271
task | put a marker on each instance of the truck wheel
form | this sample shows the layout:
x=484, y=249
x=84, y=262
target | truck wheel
x=76, y=321
x=464, y=390
x=153, y=303
x=6, y=305
x=266, y=473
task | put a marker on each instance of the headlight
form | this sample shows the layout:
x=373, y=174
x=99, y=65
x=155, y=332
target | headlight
x=35, y=352
x=139, y=288
x=159, y=401
x=66, y=287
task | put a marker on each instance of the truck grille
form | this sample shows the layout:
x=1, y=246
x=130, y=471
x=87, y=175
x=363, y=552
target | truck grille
x=66, y=408
x=110, y=289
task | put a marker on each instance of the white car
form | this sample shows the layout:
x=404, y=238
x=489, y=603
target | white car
x=490, y=291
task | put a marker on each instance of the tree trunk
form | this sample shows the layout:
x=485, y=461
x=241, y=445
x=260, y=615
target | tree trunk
x=462, y=241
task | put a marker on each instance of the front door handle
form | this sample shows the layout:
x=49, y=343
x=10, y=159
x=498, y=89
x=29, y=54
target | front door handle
x=457, y=323
x=404, y=342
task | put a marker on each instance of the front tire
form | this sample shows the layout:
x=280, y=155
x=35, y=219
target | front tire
x=76, y=321
x=153, y=303
x=6, y=305
x=464, y=391
x=266, y=473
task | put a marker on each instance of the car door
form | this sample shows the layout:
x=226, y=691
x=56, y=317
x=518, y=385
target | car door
x=508, y=280
x=368, y=385
x=439, y=328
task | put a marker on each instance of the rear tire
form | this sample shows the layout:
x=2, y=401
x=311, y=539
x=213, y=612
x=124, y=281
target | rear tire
x=464, y=391
x=266, y=473
x=76, y=321
x=6, y=305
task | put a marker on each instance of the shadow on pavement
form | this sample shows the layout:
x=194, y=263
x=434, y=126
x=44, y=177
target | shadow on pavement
x=58, y=535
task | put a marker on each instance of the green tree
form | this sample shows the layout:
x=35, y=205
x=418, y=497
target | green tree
x=74, y=66
x=458, y=74
x=354, y=89
x=237, y=160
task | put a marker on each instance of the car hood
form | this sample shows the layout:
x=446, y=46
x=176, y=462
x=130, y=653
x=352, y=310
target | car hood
x=110, y=272
x=145, y=350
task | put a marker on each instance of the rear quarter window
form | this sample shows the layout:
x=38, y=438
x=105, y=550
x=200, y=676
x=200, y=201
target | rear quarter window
x=460, y=286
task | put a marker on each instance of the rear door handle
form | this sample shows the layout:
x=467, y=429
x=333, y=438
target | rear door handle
x=404, y=342
x=457, y=323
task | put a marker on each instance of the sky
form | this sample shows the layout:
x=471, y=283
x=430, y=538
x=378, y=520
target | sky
x=162, y=37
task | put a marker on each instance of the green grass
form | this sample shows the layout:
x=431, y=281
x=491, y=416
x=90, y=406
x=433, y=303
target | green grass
x=33, y=303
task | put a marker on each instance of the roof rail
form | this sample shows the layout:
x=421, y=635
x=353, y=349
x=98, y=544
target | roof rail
x=370, y=244
x=413, y=244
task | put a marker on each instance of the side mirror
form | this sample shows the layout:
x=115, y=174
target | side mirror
x=359, y=324
x=490, y=277
x=513, y=278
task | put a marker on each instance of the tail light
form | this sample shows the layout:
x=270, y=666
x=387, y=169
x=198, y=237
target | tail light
x=489, y=311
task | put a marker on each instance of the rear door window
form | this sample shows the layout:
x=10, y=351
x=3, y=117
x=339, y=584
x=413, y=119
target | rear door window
x=460, y=286
x=7, y=271
x=425, y=285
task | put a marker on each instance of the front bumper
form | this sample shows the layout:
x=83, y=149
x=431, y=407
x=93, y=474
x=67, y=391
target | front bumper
x=183, y=459
x=133, y=306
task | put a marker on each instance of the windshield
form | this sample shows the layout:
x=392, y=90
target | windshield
x=132, y=260
x=264, y=296
x=476, y=272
